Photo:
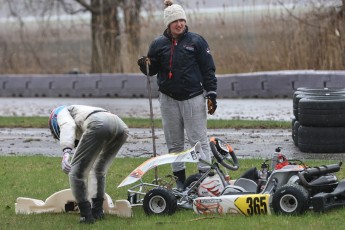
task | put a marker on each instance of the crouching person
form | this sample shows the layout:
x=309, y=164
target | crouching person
x=96, y=135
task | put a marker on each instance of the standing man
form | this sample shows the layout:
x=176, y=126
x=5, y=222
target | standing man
x=186, y=79
x=97, y=135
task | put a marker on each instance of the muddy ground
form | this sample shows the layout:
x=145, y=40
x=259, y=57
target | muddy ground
x=247, y=143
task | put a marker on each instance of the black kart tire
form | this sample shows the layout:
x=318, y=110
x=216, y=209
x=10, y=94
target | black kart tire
x=300, y=94
x=322, y=113
x=192, y=178
x=320, y=120
x=335, y=148
x=290, y=199
x=159, y=201
x=321, y=139
x=298, y=98
x=319, y=90
x=305, y=92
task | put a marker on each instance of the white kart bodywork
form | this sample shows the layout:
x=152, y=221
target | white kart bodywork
x=57, y=202
x=191, y=155
x=247, y=205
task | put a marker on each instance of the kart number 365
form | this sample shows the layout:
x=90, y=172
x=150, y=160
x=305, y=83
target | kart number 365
x=253, y=204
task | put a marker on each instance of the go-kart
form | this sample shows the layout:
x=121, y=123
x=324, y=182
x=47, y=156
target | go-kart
x=291, y=187
x=160, y=197
x=288, y=188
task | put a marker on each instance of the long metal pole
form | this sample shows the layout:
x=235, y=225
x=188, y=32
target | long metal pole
x=151, y=114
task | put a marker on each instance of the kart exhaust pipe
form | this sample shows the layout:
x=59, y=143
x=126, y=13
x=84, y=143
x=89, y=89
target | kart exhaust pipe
x=324, y=169
x=318, y=171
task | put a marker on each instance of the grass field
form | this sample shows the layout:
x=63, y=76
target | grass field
x=41, y=122
x=39, y=177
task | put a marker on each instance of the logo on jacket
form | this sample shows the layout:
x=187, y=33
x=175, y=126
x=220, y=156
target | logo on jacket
x=190, y=48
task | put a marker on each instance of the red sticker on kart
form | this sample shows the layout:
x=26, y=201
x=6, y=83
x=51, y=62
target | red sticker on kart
x=254, y=204
x=137, y=173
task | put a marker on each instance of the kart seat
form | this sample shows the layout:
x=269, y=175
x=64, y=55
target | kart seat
x=233, y=189
x=241, y=185
x=246, y=184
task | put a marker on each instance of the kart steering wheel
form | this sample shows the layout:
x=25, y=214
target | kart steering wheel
x=224, y=154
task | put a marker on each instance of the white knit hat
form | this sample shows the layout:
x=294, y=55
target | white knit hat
x=173, y=13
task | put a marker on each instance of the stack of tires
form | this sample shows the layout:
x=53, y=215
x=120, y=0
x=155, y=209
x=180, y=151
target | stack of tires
x=318, y=125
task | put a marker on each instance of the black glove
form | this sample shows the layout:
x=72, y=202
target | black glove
x=211, y=102
x=142, y=62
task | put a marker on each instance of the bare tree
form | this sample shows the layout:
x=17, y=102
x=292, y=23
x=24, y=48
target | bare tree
x=44, y=40
x=131, y=9
x=106, y=32
x=108, y=28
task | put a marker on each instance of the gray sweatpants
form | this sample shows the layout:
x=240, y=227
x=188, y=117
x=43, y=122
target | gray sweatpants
x=104, y=135
x=180, y=117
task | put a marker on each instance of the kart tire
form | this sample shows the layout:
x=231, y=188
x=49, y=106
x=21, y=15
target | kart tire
x=321, y=139
x=299, y=97
x=318, y=90
x=192, y=178
x=322, y=113
x=301, y=94
x=335, y=148
x=290, y=199
x=159, y=201
x=304, y=92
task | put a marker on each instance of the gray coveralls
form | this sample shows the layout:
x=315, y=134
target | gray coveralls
x=102, y=135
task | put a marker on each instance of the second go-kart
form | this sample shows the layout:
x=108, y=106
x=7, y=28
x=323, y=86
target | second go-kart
x=288, y=187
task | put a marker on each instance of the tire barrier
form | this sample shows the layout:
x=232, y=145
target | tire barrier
x=75, y=85
x=319, y=122
x=274, y=84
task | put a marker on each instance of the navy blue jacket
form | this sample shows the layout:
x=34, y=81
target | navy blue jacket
x=184, y=68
